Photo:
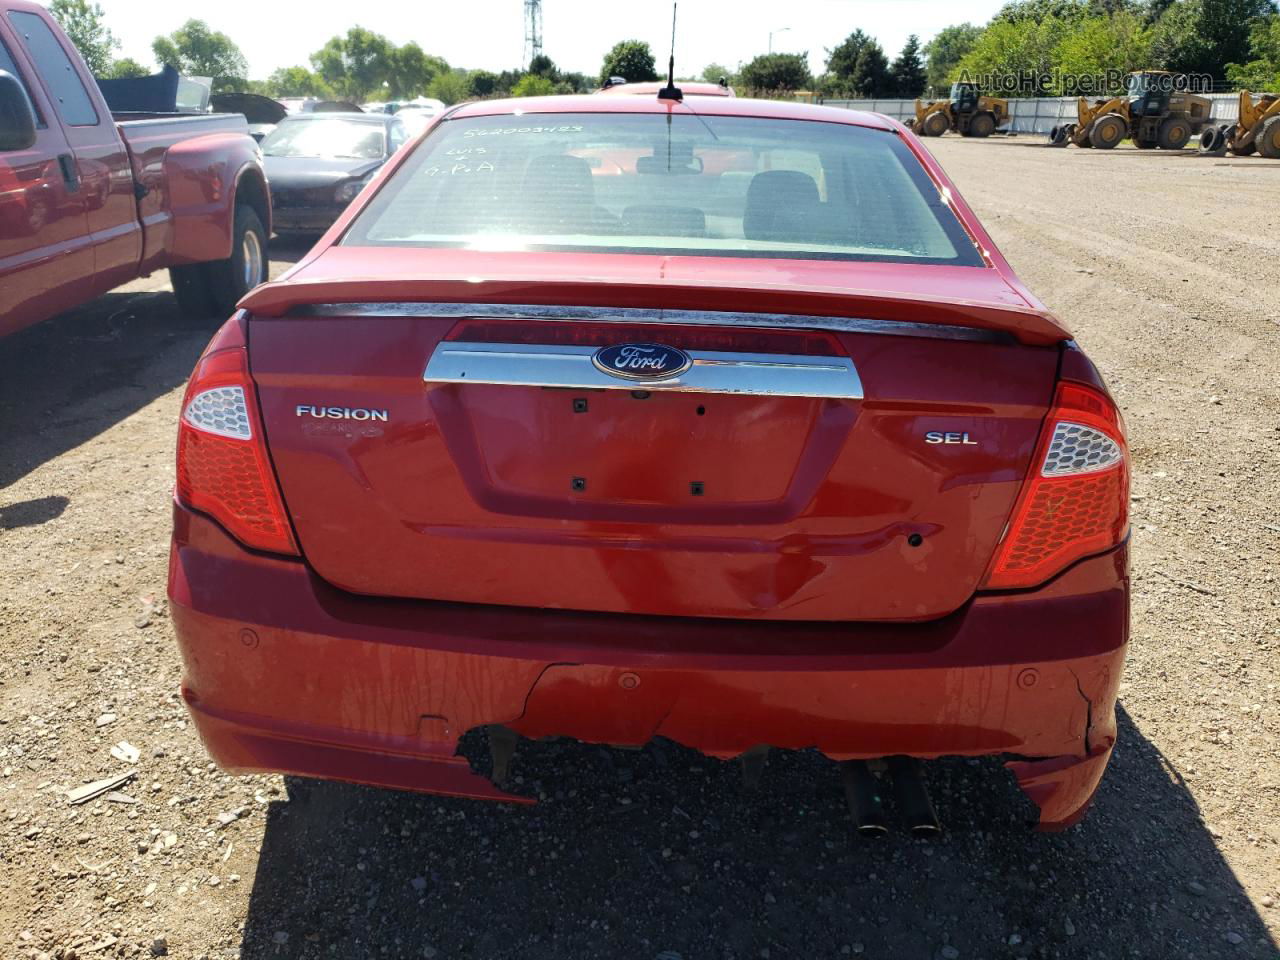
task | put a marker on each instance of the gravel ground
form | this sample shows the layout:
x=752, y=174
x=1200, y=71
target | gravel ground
x=1167, y=270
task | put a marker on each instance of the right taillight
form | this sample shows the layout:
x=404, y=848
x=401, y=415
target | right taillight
x=1075, y=501
x=223, y=467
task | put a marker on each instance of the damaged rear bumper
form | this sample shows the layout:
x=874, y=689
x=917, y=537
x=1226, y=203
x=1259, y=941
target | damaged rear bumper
x=286, y=674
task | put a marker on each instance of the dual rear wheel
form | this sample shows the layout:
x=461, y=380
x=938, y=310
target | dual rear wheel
x=213, y=289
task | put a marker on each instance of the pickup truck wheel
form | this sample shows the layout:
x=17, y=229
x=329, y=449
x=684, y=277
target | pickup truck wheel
x=213, y=289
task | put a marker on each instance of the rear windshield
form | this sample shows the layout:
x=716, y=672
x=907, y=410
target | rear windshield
x=347, y=139
x=679, y=184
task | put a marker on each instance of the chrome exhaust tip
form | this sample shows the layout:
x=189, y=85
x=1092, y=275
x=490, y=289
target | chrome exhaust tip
x=866, y=801
x=911, y=794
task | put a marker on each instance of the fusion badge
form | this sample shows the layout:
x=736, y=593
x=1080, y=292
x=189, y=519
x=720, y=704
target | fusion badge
x=641, y=361
x=340, y=413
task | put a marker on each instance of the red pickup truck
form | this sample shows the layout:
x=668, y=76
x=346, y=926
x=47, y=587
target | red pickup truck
x=89, y=201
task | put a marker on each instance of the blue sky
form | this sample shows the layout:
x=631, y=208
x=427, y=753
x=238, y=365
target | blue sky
x=576, y=33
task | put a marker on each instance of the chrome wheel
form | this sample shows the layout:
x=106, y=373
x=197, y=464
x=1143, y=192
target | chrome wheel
x=252, y=259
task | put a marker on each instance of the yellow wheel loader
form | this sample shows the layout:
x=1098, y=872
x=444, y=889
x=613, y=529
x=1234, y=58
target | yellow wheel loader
x=968, y=112
x=1257, y=130
x=1155, y=111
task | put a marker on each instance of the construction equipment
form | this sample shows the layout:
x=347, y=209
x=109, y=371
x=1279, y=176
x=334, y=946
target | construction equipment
x=967, y=112
x=1156, y=110
x=1257, y=130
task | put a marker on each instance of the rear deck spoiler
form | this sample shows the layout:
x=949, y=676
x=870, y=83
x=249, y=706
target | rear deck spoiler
x=879, y=311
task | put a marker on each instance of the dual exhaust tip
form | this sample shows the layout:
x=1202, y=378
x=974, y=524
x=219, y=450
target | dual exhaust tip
x=866, y=795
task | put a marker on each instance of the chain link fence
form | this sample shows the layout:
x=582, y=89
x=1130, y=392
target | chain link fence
x=1029, y=114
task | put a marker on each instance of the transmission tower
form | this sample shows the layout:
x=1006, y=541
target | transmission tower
x=532, y=30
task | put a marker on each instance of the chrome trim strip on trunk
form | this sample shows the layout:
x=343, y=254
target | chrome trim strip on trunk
x=539, y=365
x=786, y=321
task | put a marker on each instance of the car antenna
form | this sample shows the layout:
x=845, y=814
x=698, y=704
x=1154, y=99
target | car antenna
x=671, y=91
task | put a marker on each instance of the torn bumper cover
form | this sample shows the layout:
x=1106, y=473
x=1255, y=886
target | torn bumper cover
x=285, y=674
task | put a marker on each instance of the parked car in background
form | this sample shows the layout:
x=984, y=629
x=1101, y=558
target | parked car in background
x=318, y=162
x=261, y=113
x=296, y=104
x=617, y=85
x=88, y=202
x=616, y=418
x=417, y=119
x=312, y=105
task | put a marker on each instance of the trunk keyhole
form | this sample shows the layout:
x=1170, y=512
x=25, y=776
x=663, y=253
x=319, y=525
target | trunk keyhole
x=578, y=484
x=579, y=404
x=695, y=488
x=915, y=540
x=702, y=411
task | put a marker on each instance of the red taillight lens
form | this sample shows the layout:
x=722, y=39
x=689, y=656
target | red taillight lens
x=1075, y=502
x=223, y=469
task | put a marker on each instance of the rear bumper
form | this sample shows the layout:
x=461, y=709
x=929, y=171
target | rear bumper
x=284, y=673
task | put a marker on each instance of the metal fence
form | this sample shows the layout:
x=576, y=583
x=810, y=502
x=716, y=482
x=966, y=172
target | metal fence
x=1030, y=114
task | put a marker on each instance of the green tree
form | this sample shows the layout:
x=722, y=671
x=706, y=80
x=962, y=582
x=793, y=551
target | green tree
x=1153, y=10
x=776, y=73
x=1203, y=36
x=82, y=22
x=871, y=73
x=484, y=83
x=631, y=59
x=544, y=66
x=1097, y=45
x=534, y=85
x=355, y=64
x=907, y=75
x=842, y=63
x=198, y=51
x=949, y=46
x=1015, y=49
x=712, y=73
x=451, y=86
x=411, y=71
x=1108, y=8
x=1262, y=72
x=125, y=67
x=297, y=82
x=1034, y=11
x=577, y=82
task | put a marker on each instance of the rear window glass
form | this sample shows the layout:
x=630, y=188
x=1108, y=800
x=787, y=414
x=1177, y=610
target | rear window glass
x=60, y=77
x=325, y=137
x=684, y=184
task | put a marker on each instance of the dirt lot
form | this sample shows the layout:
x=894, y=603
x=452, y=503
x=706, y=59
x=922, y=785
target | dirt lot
x=1168, y=273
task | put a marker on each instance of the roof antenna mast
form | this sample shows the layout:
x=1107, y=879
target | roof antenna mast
x=671, y=91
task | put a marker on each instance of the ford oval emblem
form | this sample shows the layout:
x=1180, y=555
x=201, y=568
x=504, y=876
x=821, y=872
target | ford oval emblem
x=642, y=361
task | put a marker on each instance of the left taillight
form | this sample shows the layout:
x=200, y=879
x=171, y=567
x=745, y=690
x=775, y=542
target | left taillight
x=1075, y=503
x=223, y=467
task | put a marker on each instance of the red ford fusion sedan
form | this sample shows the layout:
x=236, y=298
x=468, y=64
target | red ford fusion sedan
x=616, y=418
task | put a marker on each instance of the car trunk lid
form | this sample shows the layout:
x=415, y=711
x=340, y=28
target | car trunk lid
x=838, y=469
